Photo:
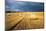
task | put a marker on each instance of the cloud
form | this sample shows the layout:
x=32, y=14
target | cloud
x=10, y=1
x=7, y=6
x=23, y=6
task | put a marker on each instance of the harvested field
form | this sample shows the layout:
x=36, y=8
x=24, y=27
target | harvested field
x=24, y=20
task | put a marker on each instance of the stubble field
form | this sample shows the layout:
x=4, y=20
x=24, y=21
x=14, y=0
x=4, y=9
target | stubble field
x=24, y=20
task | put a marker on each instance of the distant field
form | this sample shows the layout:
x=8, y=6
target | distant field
x=24, y=20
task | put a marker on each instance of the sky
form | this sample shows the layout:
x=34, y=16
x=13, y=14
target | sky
x=12, y=5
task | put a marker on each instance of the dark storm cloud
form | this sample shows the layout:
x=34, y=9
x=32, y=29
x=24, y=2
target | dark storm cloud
x=23, y=6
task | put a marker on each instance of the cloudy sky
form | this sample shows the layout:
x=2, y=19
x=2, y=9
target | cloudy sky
x=12, y=5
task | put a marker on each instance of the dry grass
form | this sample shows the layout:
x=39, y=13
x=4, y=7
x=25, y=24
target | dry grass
x=28, y=20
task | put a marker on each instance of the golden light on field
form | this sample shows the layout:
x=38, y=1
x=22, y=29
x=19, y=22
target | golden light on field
x=28, y=20
x=33, y=15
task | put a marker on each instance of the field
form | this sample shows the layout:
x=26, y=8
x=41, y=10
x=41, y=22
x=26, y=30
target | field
x=24, y=20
